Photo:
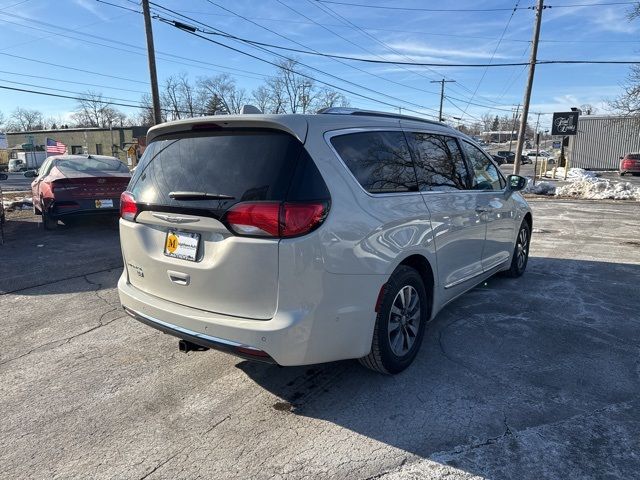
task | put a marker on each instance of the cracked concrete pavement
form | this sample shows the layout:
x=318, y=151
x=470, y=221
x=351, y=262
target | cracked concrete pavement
x=530, y=378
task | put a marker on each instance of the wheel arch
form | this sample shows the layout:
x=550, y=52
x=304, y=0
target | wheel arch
x=422, y=265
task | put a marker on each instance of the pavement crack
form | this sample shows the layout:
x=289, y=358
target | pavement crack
x=66, y=340
x=44, y=284
x=167, y=460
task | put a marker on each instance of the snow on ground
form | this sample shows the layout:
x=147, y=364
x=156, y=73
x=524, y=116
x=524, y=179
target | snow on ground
x=584, y=184
x=598, y=188
x=540, y=188
x=574, y=174
x=17, y=203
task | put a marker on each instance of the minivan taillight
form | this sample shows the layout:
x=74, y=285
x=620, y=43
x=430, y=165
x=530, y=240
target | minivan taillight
x=275, y=219
x=128, y=207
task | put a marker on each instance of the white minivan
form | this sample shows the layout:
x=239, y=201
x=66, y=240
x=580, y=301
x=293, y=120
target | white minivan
x=301, y=239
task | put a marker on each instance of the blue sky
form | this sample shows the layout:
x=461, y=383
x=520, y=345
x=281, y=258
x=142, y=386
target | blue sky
x=588, y=32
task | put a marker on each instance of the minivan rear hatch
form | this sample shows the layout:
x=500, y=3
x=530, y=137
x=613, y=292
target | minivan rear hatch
x=179, y=246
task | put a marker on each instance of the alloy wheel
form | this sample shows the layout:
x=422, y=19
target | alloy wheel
x=522, y=248
x=404, y=320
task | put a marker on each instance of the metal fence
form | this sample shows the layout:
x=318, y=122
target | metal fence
x=602, y=140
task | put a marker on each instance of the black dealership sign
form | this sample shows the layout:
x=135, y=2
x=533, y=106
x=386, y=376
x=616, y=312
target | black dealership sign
x=565, y=123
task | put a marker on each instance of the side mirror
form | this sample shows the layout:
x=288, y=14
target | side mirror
x=31, y=173
x=516, y=182
x=3, y=176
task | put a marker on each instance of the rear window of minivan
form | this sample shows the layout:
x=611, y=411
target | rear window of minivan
x=248, y=165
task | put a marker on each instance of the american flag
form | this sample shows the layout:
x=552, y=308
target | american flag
x=53, y=146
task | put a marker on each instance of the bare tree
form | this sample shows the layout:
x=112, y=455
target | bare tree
x=262, y=99
x=93, y=111
x=277, y=97
x=24, y=120
x=2, y=121
x=223, y=88
x=53, y=122
x=587, y=109
x=291, y=91
x=145, y=115
x=327, y=98
x=628, y=102
x=487, y=121
x=169, y=98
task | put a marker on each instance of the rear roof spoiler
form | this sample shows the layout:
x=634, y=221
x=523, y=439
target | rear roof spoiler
x=295, y=125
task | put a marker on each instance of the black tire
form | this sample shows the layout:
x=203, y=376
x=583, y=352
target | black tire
x=622, y=174
x=383, y=357
x=48, y=222
x=520, y=256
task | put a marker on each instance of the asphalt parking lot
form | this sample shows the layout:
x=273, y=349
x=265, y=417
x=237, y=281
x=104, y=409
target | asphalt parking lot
x=530, y=378
x=16, y=182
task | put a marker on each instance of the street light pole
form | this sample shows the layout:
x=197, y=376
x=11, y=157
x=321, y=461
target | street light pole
x=155, y=94
x=527, y=92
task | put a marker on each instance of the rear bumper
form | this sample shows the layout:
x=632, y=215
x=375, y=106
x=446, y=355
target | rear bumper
x=67, y=208
x=208, y=341
x=339, y=326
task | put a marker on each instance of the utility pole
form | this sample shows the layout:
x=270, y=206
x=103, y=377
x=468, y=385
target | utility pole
x=527, y=91
x=151, y=54
x=513, y=126
x=441, y=82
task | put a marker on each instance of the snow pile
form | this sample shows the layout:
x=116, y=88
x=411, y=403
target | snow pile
x=574, y=174
x=25, y=203
x=540, y=188
x=596, y=188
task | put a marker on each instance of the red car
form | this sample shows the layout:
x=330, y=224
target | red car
x=630, y=163
x=68, y=186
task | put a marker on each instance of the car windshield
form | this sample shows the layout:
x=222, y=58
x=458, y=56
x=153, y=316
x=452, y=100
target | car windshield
x=91, y=164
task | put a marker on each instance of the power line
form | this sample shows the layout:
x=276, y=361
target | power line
x=255, y=43
x=305, y=46
x=602, y=4
x=42, y=62
x=71, y=81
x=395, y=30
x=454, y=10
x=61, y=90
x=495, y=50
x=198, y=63
x=192, y=31
x=328, y=10
x=418, y=9
x=78, y=96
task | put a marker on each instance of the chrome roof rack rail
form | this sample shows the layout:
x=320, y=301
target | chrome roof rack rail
x=373, y=113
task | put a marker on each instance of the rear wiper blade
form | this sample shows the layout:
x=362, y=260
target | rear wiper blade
x=199, y=196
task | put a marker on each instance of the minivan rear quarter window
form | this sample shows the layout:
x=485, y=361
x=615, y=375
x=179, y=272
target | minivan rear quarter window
x=248, y=165
x=380, y=161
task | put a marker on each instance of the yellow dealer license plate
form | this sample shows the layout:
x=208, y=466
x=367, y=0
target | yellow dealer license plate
x=183, y=245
